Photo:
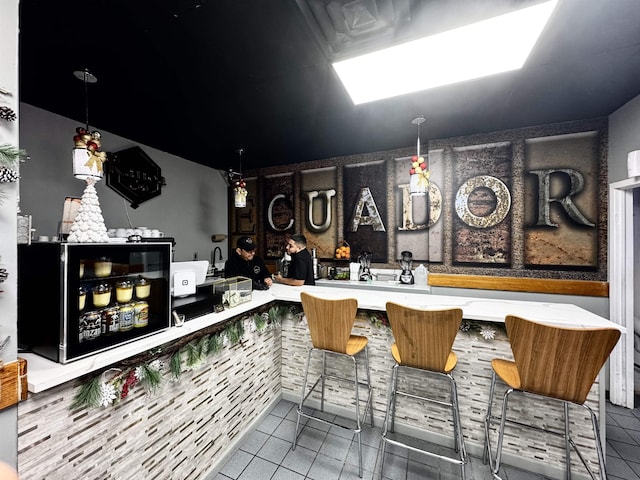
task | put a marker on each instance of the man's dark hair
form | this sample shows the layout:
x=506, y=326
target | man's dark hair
x=300, y=239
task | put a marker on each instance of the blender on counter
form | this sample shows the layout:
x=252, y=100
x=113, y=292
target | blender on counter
x=406, y=263
x=364, y=274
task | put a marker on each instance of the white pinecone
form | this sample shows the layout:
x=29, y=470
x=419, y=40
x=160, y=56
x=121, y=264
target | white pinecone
x=8, y=175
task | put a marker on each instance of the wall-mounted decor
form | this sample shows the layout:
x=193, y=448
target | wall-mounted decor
x=481, y=224
x=561, y=201
x=366, y=208
x=134, y=176
x=530, y=202
x=418, y=219
x=279, y=204
x=320, y=209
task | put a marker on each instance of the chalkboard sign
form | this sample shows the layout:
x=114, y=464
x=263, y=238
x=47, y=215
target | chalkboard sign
x=134, y=175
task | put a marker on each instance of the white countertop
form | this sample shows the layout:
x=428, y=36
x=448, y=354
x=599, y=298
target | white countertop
x=44, y=374
x=486, y=309
x=377, y=285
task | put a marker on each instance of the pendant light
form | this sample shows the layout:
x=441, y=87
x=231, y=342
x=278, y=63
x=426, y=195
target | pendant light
x=238, y=184
x=419, y=173
x=88, y=160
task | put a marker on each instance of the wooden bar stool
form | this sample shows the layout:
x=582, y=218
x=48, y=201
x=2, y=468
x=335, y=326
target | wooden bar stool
x=554, y=363
x=423, y=341
x=330, y=324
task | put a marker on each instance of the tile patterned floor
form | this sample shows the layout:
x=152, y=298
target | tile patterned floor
x=328, y=453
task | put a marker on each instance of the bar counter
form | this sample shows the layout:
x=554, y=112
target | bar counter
x=189, y=428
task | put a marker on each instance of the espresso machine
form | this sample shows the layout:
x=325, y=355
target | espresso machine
x=406, y=263
x=364, y=273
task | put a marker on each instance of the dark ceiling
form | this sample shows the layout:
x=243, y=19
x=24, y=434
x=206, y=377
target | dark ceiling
x=202, y=78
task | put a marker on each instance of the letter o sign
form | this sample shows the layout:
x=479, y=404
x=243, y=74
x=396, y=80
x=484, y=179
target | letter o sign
x=503, y=201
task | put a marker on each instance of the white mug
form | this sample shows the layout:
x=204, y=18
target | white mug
x=121, y=233
x=43, y=238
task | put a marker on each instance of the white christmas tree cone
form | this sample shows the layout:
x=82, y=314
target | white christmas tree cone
x=88, y=226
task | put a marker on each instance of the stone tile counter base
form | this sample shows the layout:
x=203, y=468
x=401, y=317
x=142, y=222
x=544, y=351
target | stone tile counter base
x=179, y=432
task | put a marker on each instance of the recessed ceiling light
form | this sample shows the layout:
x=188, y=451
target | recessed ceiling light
x=495, y=45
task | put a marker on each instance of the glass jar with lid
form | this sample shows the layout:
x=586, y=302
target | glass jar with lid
x=101, y=295
x=124, y=291
x=102, y=267
x=143, y=288
x=82, y=298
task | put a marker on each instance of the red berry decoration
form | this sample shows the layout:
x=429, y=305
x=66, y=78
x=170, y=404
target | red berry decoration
x=412, y=171
x=423, y=166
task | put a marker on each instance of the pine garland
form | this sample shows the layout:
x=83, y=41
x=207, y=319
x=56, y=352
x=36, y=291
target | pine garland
x=10, y=155
x=215, y=344
x=98, y=392
x=88, y=395
x=260, y=322
x=175, y=365
x=150, y=375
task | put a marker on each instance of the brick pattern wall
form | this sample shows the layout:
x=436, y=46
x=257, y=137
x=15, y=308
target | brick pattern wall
x=180, y=432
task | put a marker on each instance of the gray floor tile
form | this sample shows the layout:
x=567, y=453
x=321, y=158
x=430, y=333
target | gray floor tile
x=283, y=408
x=617, y=467
x=626, y=450
x=635, y=467
x=286, y=474
x=266, y=453
x=258, y=469
x=350, y=472
x=254, y=442
x=610, y=451
x=269, y=424
x=299, y=460
x=629, y=422
x=476, y=470
x=619, y=434
x=274, y=450
x=369, y=456
x=311, y=438
x=335, y=447
x=394, y=467
x=236, y=464
x=420, y=471
x=325, y=468
x=285, y=430
x=371, y=436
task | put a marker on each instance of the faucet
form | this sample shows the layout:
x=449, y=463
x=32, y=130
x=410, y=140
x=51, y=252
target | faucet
x=213, y=259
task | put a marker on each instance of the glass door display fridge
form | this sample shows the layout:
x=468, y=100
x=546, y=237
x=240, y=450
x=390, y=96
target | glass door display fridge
x=75, y=300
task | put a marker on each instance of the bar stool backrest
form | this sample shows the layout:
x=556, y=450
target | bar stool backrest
x=330, y=321
x=559, y=362
x=424, y=337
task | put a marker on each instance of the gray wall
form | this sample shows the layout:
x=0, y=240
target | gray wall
x=624, y=137
x=191, y=207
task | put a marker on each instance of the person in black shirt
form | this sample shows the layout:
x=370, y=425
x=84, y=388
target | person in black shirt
x=244, y=262
x=301, y=267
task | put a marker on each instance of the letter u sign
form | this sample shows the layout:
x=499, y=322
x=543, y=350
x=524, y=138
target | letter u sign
x=327, y=195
